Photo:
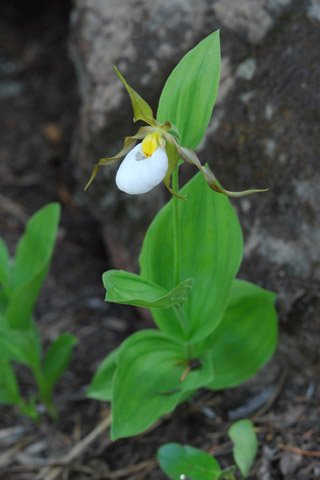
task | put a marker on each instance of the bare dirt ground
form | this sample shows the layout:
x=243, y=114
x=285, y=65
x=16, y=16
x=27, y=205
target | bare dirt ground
x=38, y=113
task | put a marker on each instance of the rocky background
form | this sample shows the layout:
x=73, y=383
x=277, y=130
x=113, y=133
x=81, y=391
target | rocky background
x=264, y=130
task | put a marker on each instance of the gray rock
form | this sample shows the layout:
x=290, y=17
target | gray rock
x=246, y=69
x=268, y=136
x=264, y=132
x=314, y=9
x=10, y=89
x=251, y=18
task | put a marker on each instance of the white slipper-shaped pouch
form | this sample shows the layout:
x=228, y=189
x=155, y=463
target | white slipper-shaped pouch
x=140, y=174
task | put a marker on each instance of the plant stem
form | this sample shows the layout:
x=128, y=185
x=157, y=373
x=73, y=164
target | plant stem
x=44, y=393
x=29, y=410
x=184, y=322
x=228, y=474
x=183, y=319
x=176, y=228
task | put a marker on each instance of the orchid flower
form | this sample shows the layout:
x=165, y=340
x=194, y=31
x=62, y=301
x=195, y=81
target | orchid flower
x=144, y=167
x=153, y=160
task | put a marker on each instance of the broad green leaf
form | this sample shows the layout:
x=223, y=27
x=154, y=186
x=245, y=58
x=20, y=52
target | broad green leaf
x=4, y=300
x=245, y=444
x=130, y=289
x=189, y=94
x=246, y=338
x=211, y=251
x=4, y=264
x=141, y=110
x=176, y=460
x=56, y=360
x=148, y=381
x=4, y=395
x=9, y=390
x=101, y=385
x=31, y=264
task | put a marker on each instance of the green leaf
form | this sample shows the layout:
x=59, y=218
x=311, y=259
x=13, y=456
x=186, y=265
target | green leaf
x=130, y=289
x=141, y=110
x=245, y=444
x=148, y=381
x=246, y=338
x=176, y=460
x=9, y=390
x=56, y=360
x=30, y=409
x=189, y=94
x=22, y=346
x=31, y=264
x=101, y=385
x=4, y=301
x=4, y=264
x=211, y=251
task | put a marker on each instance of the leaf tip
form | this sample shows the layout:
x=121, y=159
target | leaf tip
x=93, y=175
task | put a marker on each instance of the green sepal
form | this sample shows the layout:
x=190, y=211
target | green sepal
x=129, y=143
x=191, y=157
x=173, y=159
x=141, y=109
x=131, y=289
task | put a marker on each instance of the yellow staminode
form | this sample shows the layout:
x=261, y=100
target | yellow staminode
x=151, y=142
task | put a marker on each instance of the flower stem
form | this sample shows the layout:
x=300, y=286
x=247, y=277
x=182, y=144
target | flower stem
x=182, y=317
x=176, y=227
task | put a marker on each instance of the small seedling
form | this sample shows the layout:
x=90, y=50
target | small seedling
x=20, y=284
x=189, y=463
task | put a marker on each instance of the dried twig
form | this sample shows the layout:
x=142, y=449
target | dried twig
x=300, y=451
x=8, y=456
x=57, y=465
x=145, y=466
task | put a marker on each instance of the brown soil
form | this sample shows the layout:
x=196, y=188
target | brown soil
x=38, y=115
